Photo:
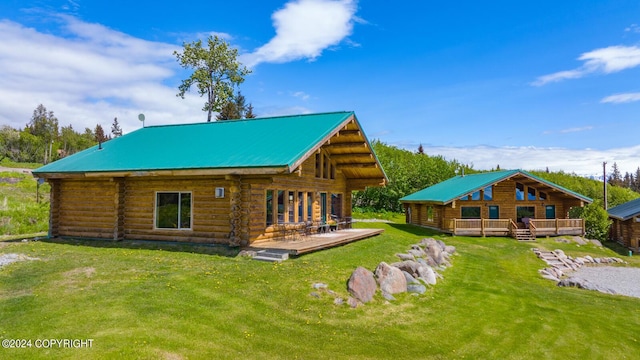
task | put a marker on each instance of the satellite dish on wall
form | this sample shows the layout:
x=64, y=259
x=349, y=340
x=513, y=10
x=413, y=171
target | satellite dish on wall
x=141, y=118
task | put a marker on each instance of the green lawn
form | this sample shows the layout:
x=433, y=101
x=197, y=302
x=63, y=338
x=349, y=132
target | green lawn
x=151, y=303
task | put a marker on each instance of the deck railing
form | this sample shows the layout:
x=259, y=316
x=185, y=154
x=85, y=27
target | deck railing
x=538, y=227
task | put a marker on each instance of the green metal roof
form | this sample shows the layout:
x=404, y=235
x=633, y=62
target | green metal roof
x=625, y=211
x=456, y=187
x=249, y=143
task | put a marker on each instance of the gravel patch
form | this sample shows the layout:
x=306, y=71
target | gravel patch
x=624, y=281
x=6, y=259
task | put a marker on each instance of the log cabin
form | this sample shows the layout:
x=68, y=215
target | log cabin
x=625, y=228
x=501, y=203
x=232, y=182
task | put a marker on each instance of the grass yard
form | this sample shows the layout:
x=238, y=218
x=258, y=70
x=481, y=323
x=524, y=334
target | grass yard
x=150, y=304
x=20, y=213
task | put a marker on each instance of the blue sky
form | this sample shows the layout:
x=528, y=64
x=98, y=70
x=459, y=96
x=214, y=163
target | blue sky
x=523, y=85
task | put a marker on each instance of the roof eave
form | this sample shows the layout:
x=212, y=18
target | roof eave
x=273, y=170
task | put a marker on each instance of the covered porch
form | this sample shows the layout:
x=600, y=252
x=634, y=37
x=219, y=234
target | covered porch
x=298, y=244
x=507, y=227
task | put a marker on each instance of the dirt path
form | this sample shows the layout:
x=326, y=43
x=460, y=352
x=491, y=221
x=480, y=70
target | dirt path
x=21, y=170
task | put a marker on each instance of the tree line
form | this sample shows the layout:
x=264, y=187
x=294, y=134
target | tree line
x=628, y=181
x=42, y=140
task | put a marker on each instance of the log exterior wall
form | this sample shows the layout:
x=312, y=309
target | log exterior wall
x=627, y=233
x=124, y=207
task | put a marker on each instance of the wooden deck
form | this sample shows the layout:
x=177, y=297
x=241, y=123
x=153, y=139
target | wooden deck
x=317, y=241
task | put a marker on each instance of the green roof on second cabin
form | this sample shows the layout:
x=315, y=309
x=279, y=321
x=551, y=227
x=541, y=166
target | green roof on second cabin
x=625, y=211
x=249, y=143
x=458, y=186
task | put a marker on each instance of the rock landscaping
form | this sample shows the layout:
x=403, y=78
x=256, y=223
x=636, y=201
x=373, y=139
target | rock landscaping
x=417, y=270
x=562, y=267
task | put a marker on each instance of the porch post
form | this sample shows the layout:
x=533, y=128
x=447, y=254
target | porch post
x=482, y=227
x=557, y=226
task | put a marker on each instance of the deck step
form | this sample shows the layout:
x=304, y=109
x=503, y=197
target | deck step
x=272, y=255
x=524, y=235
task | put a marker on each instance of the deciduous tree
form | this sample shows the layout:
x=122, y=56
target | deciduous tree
x=216, y=71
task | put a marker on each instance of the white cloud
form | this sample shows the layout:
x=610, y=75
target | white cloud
x=634, y=28
x=605, y=60
x=301, y=95
x=621, y=98
x=584, y=162
x=304, y=28
x=88, y=76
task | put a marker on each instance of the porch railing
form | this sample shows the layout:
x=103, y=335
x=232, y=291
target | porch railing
x=538, y=227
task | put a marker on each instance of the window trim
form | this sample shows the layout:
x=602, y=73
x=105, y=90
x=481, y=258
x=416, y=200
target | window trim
x=155, y=210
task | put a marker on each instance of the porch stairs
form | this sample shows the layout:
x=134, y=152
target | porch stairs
x=524, y=235
x=272, y=255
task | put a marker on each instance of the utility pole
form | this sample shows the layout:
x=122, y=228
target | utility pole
x=604, y=178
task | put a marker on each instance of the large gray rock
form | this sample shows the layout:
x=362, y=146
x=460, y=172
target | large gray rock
x=427, y=274
x=435, y=253
x=450, y=249
x=416, y=288
x=417, y=253
x=391, y=279
x=362, y=284
x=404, y=257
x=409, y=266
x=596, y=243
x=410, y=279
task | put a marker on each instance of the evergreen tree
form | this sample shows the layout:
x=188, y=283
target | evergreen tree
x=100, y=135
x=44, y=126
x=615, y=178
x=249, y=114
x=420, y=150
x=228, y=112
x=636, y=181
x=115, y=128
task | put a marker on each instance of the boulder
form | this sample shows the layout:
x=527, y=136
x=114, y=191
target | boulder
x=427, y=242
x=435, y=253
x=352, y=302
x=362, y=285
x=391, y=279
x=404, y=257
x=388, y=296
x=579, y=240
x=410, y=279
x=409, y=266
x=427, y=274
x=596, y=243
x=442, y=244
x=416, y=288
x=417, y=253
x=450, y=249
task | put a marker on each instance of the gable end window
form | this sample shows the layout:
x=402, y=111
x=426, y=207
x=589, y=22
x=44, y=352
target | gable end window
x=173, y=210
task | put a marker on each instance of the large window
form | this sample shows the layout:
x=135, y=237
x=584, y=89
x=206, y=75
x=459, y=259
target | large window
x=531, y=193
x=470, y=212
x=173, y=210
x=430, y=213
x=300, y=206
x=280, y=206
x=525, y=212
x=488, y=193
x=519, y=191
x=309, y=206
x=269, y=206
